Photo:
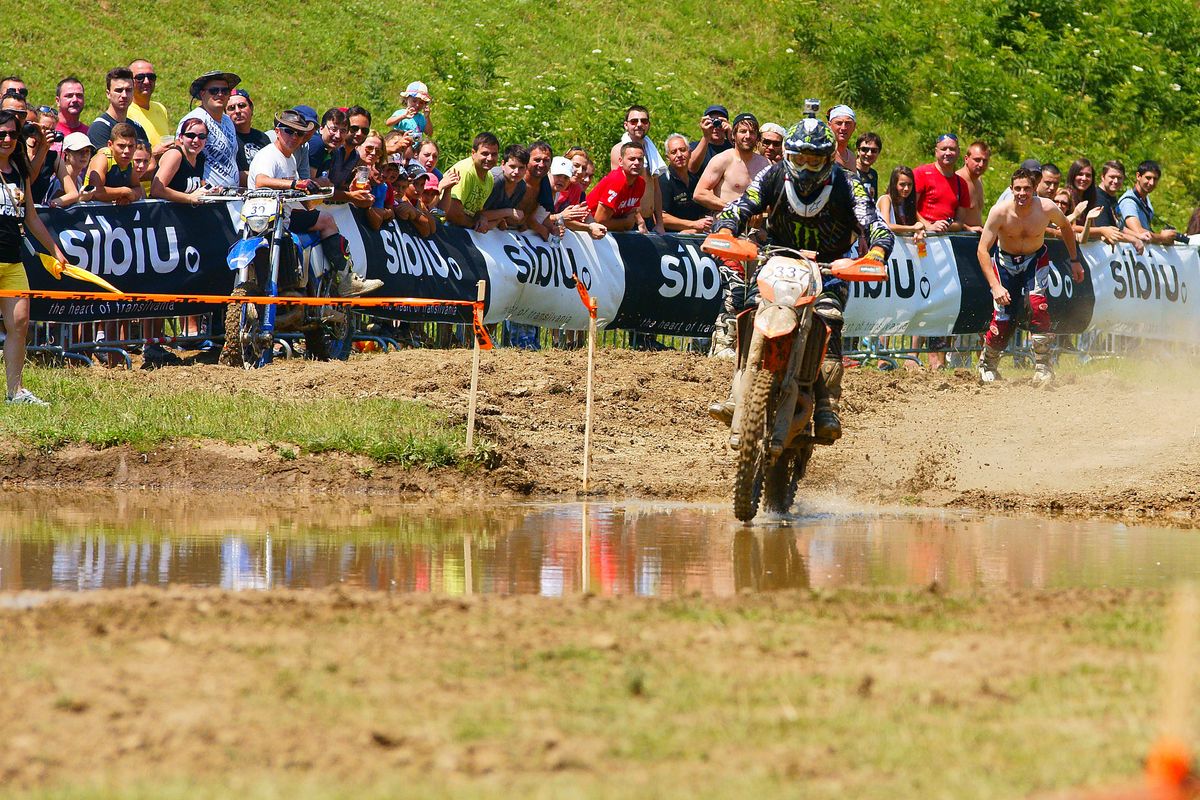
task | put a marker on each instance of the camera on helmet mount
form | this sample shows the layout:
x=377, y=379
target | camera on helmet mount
x=811, y=106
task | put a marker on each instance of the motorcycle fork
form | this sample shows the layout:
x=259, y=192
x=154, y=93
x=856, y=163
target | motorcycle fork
x=789, y=396
x=272, y=290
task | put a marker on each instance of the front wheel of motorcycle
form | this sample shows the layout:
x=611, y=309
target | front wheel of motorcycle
x=243, y=330
x=757, y=418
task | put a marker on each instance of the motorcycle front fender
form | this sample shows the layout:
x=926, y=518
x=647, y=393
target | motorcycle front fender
x=775, y=321
x=243, y=250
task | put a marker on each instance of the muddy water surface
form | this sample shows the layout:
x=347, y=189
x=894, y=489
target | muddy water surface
x=607, y=548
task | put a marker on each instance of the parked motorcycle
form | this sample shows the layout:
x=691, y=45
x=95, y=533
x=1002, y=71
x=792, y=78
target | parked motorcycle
x=781, y=344
x=273, y=262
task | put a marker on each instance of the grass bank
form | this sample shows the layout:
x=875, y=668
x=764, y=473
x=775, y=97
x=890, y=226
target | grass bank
x=92, y=408
x=1054, y=79
x=865, y=694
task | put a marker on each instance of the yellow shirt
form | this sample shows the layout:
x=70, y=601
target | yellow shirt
x=153, y=120
x=472, y=191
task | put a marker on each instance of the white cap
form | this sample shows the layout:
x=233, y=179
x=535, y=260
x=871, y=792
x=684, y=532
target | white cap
x=76, y=141
x=772, y=127
x=561, y=166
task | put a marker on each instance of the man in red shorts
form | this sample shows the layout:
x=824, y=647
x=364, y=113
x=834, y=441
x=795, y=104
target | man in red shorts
x=615, y=199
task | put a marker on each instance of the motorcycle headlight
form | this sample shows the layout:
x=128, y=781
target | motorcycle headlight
x=258, y=223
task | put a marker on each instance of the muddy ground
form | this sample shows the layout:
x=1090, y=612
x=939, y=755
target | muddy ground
x=1107, y=443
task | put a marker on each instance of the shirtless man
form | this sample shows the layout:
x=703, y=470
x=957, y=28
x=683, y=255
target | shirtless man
x=974, y=165
x=726, y=177
x=724, y=181
x=1021, y=267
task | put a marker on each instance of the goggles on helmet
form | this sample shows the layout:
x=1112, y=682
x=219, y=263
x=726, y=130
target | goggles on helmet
x=810, y=162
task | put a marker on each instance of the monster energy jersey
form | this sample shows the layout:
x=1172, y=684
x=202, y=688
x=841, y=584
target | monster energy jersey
x=831, y=231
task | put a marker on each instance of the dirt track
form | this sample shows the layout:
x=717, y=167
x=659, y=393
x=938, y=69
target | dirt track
x=1098, y=444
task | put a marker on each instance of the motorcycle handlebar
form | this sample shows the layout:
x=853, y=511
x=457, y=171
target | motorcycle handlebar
x=290, y=195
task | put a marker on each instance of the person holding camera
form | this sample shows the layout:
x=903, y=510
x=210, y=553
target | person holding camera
x=715, y=131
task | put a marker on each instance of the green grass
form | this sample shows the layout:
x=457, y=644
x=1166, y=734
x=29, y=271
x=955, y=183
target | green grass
x=106, y=413
x=1051, y=78
x=1012, y=702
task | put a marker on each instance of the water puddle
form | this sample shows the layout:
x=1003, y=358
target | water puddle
x=640, y=548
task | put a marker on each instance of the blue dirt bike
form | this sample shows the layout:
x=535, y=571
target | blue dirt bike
x=272, y=262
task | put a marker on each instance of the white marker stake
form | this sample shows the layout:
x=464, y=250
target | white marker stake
x=591, y=374
x=482, y=294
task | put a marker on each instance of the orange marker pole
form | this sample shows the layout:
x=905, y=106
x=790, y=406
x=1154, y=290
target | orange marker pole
x=477, y=325
x=591, y=376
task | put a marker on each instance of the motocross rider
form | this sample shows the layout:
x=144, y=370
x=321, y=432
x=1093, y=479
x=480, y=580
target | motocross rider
x=813, y=204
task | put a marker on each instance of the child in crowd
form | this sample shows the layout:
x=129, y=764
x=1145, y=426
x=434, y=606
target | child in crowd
x=429, y=197
x=414, y=117
x=567, y=192
x=142, y=173
x=76, y=155
x=110, y=175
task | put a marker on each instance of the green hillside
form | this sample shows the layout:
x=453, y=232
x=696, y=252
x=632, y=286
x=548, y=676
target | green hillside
x=1049, y=78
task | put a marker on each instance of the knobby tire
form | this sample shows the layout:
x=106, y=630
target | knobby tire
x=756, y=419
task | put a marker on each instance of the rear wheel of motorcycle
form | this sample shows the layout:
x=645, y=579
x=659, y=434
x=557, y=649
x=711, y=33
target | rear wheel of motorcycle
x=779, y=485
x=757, y=418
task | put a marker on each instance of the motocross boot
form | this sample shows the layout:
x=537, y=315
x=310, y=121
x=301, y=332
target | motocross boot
x=724, y=338
x=722, y=411
x=989, y=365
x=1040, y=344
x=348, y=283
x=828, y=396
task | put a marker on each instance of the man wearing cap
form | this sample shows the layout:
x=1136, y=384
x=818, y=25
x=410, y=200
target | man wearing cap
x=220, y=151
x=118, y=85
x=303, y=170
x=714, y=138
x=770, y=141
x=842, y=122
x=274, y=167
x=724, y=181
x=150, y=114
x=240, y=109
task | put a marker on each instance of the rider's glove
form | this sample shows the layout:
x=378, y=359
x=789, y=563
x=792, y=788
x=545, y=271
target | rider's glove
x=307, y=185
x=875, y=254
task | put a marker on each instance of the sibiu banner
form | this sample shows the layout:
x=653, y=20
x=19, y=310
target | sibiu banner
x=654, y=284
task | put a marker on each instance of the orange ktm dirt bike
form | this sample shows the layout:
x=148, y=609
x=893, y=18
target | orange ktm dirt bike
x=781, y=344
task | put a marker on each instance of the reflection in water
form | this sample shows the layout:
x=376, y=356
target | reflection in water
x=555, y=550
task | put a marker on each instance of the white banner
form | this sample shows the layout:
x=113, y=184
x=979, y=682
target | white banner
x=533, y=283
x=1145, y=295
x=922, y=296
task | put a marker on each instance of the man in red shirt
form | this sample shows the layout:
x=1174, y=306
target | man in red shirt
x=615, y=199
x=943, y=197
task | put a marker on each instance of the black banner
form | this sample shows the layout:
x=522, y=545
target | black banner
x=670, y=286
x=147, y=247
x=1071, y=304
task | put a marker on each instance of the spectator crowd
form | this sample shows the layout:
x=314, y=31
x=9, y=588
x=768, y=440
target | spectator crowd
x=131, y=148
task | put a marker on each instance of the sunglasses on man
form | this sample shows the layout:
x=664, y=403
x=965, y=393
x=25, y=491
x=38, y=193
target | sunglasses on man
x=146, y=77
x=13, y=91
x=217, y=91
